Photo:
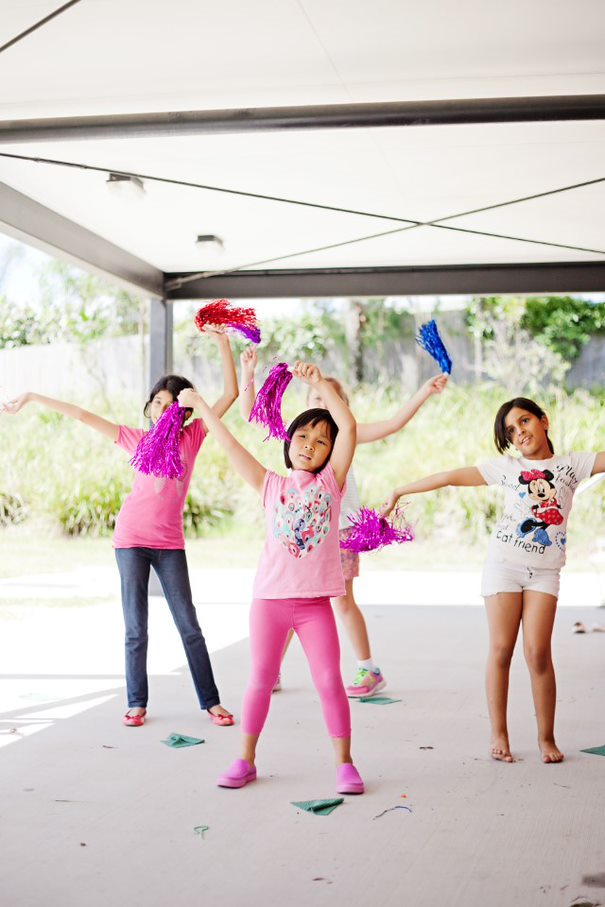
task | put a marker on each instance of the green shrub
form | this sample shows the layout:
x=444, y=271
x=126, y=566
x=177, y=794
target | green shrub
x=13, y=509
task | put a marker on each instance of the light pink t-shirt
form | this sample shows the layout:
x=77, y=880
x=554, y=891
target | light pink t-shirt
x=152, y=514
x=301, y=557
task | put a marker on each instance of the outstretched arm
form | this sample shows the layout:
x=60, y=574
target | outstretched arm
x=247, y=394
x=344, y=445
x=375, y=431
x=469, y=475
x=109, y=429
x=230, y=388
x=242, y=460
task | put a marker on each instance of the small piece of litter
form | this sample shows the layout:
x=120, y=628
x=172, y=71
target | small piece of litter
x=404, y=796
x=106, y=746
x=180, y=740
x=595, y=750
x=378, y=700
x=390, y=810
x=318, y=807
x=594, y=880
x=200, y=829
x=426, y=747
x=82, y=844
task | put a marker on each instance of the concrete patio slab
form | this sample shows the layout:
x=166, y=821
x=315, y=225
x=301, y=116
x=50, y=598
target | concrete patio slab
x=97, y=814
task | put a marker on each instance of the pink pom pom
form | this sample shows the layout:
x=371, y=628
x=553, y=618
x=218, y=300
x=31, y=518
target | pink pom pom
x=222, y=313
x=267, y=406
x=370, y=531
x=157, y=452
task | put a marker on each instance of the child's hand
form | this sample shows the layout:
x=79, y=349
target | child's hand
x=217, y=330
x=12, y=407
x=248, y=361
x=390, y=503
x=307, y=372
x=188, y=398
x=434, y=385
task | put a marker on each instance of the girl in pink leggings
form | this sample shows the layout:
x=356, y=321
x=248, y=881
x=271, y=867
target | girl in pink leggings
x=299, y=569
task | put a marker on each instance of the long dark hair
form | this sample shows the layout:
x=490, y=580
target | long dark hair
x=174, y=384
x=311, y=417
x=500, y=437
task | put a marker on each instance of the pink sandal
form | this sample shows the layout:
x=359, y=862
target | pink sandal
x=221, y=720
x=134, y=720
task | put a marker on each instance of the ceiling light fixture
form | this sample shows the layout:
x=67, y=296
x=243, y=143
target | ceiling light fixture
x=125, y=186
x=208, y=242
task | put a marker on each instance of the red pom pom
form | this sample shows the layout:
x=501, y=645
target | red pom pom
x=222, y=313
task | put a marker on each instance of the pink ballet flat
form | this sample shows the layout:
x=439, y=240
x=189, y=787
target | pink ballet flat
x=348, y=780
x=238, y=774
x=134, y=720
x=221, y=720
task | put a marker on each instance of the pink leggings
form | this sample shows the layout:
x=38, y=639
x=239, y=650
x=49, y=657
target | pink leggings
x=313, y=620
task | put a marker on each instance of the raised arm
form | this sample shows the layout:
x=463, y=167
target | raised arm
x=230, y=388
x=247, y=392
x=242, y=460
x=109, y=429
x=468, y=475
x=375, y=431
x=344, y=445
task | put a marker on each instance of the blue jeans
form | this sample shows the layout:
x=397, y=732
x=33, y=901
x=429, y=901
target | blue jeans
x=170, y=565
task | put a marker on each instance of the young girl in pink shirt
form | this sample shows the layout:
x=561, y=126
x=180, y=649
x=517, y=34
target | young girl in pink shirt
x=299, y=569
x=149, y=533
x=369, y=678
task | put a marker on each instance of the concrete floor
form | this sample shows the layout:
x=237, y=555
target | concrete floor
x=93, y=813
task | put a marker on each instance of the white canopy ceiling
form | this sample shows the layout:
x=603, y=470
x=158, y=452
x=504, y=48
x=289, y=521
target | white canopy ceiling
x=105, y=57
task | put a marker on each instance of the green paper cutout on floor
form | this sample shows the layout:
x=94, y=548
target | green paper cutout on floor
x=200, y=829
x=378, y=700
x=180, y=740
x=318, y=807
x=596, y=750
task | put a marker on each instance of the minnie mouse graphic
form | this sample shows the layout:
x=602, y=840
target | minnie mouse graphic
x=546, y=508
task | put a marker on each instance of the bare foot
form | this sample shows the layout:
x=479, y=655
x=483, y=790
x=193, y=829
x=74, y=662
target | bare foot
x=500, y=749
x=550, y=751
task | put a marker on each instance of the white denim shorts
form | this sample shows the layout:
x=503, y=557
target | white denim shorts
x=504, y=576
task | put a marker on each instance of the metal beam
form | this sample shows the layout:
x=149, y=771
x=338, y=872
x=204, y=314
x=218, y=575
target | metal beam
x=160, y=339
x=37, y=225
x=326, y=116
x=541, y=277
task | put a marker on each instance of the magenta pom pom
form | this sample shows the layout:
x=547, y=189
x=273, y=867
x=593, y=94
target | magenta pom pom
x=370, y=531
x=157, y=452
x=222, y=314
x=267, y=406
x=429, y=339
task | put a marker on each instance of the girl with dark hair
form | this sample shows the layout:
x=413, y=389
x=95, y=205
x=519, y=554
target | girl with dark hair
x=299, y=569
x=149, y=533
x=527, y=550
x=368, y=679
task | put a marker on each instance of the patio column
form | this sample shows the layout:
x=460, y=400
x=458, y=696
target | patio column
x=160, y=339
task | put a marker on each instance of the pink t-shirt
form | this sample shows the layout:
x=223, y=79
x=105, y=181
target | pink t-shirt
x=152, y=514
x=301, y=557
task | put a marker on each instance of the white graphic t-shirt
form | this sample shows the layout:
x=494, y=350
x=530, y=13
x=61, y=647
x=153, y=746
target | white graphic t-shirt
x=538, y=498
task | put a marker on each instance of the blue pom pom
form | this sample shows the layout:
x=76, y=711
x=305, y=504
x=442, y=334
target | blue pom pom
x=428, y=338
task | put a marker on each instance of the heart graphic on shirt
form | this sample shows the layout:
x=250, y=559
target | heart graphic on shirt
x=302, y=519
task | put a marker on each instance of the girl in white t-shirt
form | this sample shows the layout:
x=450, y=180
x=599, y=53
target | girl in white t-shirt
x=527, y=550
x=368, y=679
x=299, y=569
